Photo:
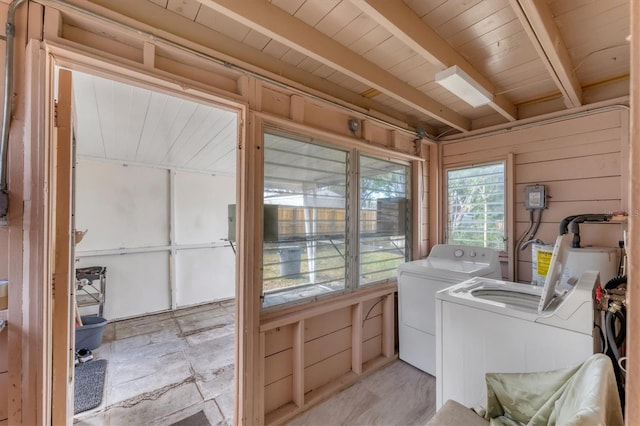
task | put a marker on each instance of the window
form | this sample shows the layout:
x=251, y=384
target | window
x=476, y=206
x=311, y=237
x=383, y=219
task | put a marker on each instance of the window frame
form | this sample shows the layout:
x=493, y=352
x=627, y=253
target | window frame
x=352, y=264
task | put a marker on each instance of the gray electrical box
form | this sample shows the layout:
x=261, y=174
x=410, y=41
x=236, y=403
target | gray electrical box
x=535, y=197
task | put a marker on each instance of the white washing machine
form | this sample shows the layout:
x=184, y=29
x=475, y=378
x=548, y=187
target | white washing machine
x=418, y=282
x=492, y=326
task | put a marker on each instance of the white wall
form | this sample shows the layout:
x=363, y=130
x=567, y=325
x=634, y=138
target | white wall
x=127, y=212
x=201, y=217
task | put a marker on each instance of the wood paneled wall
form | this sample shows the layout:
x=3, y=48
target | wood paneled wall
x=581, y=160
x=306, y=354
x=311, y=353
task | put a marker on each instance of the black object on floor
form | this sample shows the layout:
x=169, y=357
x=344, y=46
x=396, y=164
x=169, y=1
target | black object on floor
x=197, y=419
x=89, y=385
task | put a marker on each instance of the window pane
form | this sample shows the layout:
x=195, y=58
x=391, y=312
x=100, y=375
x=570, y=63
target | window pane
x=476, y=206
x=305, y=224
x=384, y=207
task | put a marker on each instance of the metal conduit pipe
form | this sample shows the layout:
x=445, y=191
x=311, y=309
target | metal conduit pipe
x=6, y=117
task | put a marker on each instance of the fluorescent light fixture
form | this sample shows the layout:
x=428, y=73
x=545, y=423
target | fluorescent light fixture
x=463, y=86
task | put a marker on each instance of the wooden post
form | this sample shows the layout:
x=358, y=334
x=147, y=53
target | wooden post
x=388, y=325
x=298, y=363
x=62, y=407
x=633, y=250
x=356, y=338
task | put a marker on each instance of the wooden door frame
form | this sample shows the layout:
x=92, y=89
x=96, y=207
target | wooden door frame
x=58, y=56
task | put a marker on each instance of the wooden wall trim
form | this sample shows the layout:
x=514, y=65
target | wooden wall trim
x=298, y=313
x=633, y=250
x=250, y=361
x=347, y=142
x=36, y=380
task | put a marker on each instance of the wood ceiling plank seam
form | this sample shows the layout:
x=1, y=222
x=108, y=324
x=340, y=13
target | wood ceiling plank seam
x=85, y=102
x=593, y=11
x=121, y=101
x=158, y=127
x=512, y=49
x=256, y=40
x=187, y=8
x=293, y=57
x=421, y=7
x=503, y=32
x=608, y=20
x=211, y=127
x=324, y=71
x=277, y=24
x=179, y=124
x=482, y=29
x=403, y=24
x=289, y=6
x=340, y=17
x=562, y=7
x=361, y=25
x=369, y=40
x=190, y=128
x=411, y=63
x=389, y=53
x=151, y=123
x=161, y=3
x=312, y=12
x=135, y=121
x=230, y=126
x=447, y=11
x=138, y=137
x=275, y=48
x=478, y=12
x=538, y=23
x=221, y=23
x=104, y=147
x=309, y=65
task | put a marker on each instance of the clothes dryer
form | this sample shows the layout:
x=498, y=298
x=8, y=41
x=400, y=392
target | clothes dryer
x=418, y=282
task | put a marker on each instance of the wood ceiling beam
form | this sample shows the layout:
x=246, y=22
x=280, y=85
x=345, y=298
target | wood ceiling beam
x=539, y=24
x=403, y=23
x=168, y=25
x=275, y=23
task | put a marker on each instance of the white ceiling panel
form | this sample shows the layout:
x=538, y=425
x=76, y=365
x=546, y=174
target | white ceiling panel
x=119, y=122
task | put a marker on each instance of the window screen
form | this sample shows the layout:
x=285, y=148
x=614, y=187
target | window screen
x=305, y=226
x=476, y=206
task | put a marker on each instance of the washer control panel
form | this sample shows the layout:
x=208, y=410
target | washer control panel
x=463, y=253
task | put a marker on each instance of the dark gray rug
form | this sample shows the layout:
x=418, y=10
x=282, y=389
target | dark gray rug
x=89, y=385
x=197, y=419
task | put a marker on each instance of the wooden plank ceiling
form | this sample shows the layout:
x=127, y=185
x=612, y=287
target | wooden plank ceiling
x=534, y=56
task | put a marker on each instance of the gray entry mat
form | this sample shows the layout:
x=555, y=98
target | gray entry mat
x=89, y=385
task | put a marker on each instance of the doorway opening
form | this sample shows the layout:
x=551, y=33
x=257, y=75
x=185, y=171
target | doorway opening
x=154, y=176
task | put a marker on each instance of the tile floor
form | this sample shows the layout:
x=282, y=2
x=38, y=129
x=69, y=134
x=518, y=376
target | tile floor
x=397, y=394
x=165, y=367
